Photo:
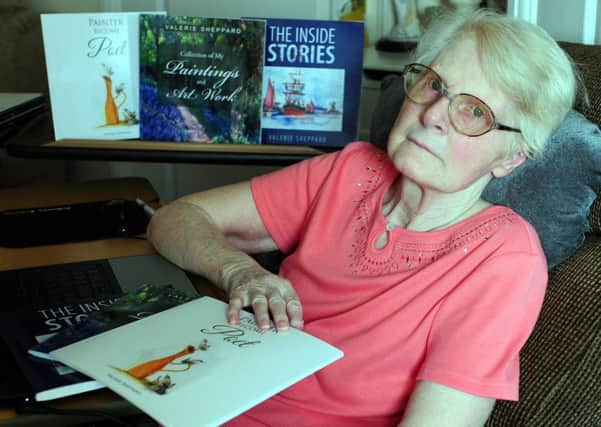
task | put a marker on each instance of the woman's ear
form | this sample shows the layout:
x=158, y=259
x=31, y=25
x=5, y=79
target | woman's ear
x=508, y=165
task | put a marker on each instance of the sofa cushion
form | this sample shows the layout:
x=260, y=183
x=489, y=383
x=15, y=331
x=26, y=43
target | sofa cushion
x=386, y=109
x=553, y=192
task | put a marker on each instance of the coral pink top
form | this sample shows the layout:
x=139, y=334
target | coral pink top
x=452, y=306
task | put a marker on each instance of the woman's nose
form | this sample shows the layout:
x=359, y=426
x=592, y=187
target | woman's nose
x=436, y=115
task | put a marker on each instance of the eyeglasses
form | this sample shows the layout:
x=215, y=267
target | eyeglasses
x=469, y=115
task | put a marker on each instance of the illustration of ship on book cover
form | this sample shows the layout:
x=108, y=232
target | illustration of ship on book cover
x=200, y=79
x=311, y=82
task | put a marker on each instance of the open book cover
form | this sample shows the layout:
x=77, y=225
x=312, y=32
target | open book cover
x=145, y=300
x=187, y=366
x=92, y=63
x=312, y=82
x=35, y=332
x=200, y=79
x=20, y=330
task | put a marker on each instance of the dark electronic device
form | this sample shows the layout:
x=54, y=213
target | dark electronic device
x=73, y=223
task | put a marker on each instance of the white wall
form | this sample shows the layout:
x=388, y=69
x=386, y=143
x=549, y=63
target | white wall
x=574, y=21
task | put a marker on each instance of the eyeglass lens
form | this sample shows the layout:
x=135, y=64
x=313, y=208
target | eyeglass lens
x=468, y=114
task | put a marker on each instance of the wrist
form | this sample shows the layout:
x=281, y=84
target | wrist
x=238, y=270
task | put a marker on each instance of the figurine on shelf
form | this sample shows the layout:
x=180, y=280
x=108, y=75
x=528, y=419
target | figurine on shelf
x=406, y=29
x=468, y=5
x=412, y=16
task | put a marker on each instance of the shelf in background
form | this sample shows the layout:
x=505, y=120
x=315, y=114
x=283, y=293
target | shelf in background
x=377, y=63
x=37, y=141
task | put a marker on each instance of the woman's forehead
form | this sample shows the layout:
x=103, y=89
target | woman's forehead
x=460, y=64
x=461, y=69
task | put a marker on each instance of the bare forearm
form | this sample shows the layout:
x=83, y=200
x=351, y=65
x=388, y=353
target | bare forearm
x=214, y=244
x=433, y=404
x=185, y=234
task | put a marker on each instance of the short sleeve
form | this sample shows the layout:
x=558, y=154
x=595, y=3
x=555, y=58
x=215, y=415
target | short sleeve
x=480, y=327
x=284, y=197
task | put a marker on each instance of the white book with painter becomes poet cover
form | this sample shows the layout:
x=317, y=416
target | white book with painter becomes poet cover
x=92, y=61
x=187, y=366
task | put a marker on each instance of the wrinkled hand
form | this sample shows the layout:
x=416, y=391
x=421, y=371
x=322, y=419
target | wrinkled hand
x=267, y=294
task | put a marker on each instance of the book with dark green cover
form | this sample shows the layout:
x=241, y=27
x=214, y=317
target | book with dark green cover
x=200, y=79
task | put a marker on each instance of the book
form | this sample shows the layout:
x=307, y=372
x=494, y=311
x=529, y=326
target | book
x=200, y=79
x=92, y=64
x=25, y=329
x=21, y=330
x=312, y=82
x=188, y=366
x=145, y=300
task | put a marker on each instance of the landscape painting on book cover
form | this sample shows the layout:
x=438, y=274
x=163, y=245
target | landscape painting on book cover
x=200, y=79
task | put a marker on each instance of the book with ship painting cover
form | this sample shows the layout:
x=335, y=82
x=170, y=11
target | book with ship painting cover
x=312, y=82
x=188, y=366
x=47, y=328
x=92, y=66
x=200, y=79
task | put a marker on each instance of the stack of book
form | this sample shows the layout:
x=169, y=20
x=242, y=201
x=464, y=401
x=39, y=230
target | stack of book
x=204, y=80
x=172, y=355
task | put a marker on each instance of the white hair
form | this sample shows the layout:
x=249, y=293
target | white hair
x=521, y=59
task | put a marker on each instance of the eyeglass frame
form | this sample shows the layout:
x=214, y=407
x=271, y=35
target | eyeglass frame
x=450, y=96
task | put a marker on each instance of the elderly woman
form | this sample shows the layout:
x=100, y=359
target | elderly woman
x=394, y=257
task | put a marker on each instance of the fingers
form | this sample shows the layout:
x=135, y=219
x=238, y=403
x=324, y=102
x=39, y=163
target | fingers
x=277, y=307
x=233, y=310
x=268, y=302
x=273, y=303
x=260, y=306
x=294, y=310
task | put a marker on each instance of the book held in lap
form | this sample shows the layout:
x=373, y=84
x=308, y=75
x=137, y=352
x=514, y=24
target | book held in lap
x=188, y=366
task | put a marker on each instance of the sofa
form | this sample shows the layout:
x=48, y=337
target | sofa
x=561, y=362
x=560, y=382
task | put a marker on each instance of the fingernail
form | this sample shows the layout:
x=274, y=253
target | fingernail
x=282, y=325
x=297, y=324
